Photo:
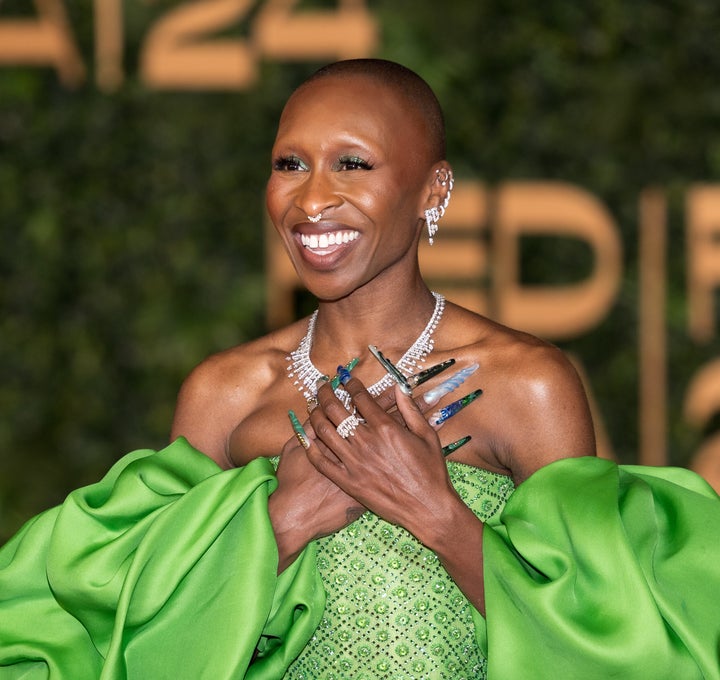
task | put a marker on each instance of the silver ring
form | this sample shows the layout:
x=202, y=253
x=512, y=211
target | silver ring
x=348, y=426
x=315, y=219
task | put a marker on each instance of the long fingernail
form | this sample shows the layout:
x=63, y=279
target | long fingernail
x=424, y=376
x=393, y=370
x=447, y=450
x=299, y=430
x=434, y=395
x=447, y=412
x=335, y=382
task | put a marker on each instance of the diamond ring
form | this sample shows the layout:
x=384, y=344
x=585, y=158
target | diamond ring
x=348, y=426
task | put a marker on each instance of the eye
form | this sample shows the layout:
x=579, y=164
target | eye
x=289, y=164
x=352, y=163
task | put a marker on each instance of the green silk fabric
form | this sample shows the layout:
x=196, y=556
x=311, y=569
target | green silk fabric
x=599, y=571
x=166, y=568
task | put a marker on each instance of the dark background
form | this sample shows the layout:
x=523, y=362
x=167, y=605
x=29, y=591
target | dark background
x=131, y=221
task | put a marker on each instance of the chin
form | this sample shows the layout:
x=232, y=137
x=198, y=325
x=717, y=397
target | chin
x=330, y=292
x=324, y=295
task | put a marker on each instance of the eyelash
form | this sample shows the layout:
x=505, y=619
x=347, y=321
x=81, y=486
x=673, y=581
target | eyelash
x=358, y=162
x=294, y=164
x=288, y=164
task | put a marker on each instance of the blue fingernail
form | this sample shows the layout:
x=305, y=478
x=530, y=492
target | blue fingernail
x=343, y=374
x=349, y=366
x=447, y=412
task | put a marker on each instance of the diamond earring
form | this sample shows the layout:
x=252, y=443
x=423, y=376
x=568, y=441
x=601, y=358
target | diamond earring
x=433, y=215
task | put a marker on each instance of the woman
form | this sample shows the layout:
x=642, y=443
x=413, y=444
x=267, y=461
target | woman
x=359, y=171
x=582, y=571
x=358, y=159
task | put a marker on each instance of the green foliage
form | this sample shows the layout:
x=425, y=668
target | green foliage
x=131, y=222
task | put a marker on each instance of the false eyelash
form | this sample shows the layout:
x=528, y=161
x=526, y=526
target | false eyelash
x=284, y=162
x=355, y=160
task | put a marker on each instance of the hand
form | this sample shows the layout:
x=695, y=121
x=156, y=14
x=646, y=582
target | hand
x=393, y=464
x=306, y=505
x=432, y=397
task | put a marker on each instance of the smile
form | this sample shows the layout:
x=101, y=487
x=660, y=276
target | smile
x=332, y=238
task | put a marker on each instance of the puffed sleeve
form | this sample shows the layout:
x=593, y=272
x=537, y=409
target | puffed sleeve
x=165, y=568
x=596, y=570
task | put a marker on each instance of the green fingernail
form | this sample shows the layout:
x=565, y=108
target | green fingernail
x=447, y=450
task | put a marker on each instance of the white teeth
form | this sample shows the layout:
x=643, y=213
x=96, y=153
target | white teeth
x=333, y=238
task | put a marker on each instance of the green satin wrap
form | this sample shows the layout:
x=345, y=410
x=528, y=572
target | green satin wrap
x=600, y=571
x=164, y=569
x=167, y=569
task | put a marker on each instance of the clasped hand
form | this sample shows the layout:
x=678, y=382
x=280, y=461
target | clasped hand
x=390, y=462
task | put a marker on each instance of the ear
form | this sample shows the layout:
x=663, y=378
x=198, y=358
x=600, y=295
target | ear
x=439, y=185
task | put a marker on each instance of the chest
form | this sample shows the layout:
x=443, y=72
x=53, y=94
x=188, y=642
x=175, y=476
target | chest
x=265, y=429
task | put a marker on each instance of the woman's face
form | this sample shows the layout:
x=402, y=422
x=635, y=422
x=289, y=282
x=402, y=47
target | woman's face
x=352, y=150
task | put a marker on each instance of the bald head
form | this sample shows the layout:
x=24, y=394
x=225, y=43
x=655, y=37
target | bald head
x=402, y=81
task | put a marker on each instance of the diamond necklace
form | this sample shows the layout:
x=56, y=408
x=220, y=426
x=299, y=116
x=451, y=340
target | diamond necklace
x=303, y=373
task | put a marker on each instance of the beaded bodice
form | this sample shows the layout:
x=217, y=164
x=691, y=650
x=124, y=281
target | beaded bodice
x=392, y=611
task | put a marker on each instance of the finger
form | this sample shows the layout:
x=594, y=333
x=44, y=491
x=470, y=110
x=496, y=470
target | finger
x=433, y=396
x=364, y=401
x=328, y=405
x=412, y=415
x=332, y=422
x=323, y=458
x=313, y=446
x=386, y=401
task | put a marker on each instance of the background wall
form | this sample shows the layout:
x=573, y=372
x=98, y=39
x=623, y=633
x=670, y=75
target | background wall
x=131, y=214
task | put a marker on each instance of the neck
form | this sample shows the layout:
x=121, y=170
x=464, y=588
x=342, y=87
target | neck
x=344, y=328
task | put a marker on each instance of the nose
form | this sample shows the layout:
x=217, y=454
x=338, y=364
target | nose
x=316, y=194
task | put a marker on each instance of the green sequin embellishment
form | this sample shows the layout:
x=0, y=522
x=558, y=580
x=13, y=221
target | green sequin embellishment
x=392, y=611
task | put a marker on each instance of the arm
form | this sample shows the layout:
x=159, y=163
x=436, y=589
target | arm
x=399, y=473
x=209, y=406
x=551, y=421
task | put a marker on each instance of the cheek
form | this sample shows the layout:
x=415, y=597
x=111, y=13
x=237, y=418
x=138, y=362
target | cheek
x=394, y=205
x=276, y=200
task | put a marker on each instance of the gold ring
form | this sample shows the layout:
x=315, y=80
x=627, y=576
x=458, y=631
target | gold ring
x=312, y=404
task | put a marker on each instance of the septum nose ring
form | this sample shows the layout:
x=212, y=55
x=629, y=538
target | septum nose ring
x=316, y=218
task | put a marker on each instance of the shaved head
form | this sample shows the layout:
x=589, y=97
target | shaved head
x=402, y=81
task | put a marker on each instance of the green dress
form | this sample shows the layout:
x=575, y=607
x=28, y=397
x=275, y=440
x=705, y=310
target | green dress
x=392, y=611
x=167, y=569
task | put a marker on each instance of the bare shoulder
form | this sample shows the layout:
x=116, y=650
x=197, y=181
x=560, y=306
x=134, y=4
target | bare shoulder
x=523, y=354
x=225, y=387
x=535, y=406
